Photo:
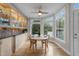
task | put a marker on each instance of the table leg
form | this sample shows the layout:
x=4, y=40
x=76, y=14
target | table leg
x=45, y=46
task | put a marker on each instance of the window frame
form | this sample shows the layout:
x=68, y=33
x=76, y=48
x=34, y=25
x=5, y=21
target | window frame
x=52, y=23
x=56, y=15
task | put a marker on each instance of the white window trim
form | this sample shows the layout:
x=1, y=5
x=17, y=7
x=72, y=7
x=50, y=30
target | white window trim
x=63, y=41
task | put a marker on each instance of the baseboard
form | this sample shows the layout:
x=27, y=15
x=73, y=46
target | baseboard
x=62, y=48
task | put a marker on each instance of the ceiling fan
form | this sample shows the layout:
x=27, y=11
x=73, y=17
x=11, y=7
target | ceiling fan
x=40, y=12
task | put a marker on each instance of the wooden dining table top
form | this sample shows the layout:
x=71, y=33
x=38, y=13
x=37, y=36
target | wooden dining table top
x=39, y=38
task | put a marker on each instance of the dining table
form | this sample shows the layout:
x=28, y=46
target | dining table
x=40, y=38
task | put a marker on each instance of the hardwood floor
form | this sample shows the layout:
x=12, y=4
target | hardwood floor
x=52, y=50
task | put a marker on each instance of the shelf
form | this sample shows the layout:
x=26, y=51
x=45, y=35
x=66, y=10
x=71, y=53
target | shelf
x=7, y=26
x=13, y=18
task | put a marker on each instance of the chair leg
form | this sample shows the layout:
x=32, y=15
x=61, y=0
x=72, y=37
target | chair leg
x=30, y=44
x=45, y=46
x=45, y=49
x=35, y=45
x=42, y=44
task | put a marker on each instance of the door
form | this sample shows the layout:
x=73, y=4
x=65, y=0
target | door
x=76, y=33
x=36, y=29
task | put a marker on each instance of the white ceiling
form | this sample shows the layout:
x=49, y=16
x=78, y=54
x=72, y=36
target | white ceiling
x=28, y=8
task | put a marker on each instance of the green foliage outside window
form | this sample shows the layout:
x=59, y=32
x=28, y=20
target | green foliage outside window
x=47, y=28
x=36, y=29
x=60, y=25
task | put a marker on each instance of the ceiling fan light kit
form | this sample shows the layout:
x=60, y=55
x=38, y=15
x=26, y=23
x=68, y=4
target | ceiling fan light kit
x=39, y=14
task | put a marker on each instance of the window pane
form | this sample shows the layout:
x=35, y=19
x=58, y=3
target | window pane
x=76, y=5
x=48, y=25
x=60, y=17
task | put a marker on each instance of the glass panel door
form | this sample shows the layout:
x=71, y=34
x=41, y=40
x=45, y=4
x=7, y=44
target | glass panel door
x=36, y=29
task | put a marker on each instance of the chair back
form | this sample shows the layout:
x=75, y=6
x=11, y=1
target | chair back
x=36, y=35
x=41, y=35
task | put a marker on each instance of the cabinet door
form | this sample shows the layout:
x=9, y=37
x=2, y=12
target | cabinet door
x=6, y=47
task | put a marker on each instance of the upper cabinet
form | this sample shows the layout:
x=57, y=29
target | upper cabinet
x=10, y=17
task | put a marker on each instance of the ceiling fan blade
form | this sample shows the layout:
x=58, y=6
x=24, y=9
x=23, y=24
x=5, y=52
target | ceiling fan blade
x=44, y=12
x=34, y=12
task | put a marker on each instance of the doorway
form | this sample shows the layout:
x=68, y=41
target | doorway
x=76, y=33
x=36, y=29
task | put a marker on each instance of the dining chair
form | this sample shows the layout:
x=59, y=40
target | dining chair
x=33, y=43
x=35, y=35
x=41, y=35
x=45, y=42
